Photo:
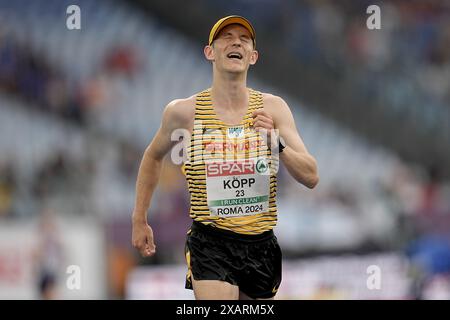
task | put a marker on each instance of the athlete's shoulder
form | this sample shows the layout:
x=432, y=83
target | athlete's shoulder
x=272, y=101
x=180, y=111
x=183, y=105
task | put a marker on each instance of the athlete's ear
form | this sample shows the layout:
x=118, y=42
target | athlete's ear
x=254, y=57
x=209, y=53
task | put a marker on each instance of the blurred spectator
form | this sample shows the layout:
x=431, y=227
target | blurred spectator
x=121, y=60
x=95, y=94
x=48, y=256
x=431, y=192
x=52, y=176
x=8, y=186
x=430, y=259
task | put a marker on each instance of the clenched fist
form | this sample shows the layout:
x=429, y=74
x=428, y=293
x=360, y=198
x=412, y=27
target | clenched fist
x=263, y=123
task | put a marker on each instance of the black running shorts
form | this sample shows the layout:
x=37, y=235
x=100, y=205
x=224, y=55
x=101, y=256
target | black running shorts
x=251, y=262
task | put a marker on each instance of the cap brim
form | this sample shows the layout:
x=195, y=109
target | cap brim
x=222, y=23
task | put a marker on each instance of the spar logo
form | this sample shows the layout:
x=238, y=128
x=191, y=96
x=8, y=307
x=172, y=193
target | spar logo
x=262, y=166
x=230, y=168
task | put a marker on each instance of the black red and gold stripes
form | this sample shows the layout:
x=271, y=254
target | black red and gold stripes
x=210, y=130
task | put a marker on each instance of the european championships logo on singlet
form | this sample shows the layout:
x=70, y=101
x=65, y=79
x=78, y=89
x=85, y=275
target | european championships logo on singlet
x=235, y=132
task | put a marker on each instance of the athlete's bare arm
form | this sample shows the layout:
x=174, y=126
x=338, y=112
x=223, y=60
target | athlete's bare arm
x=300, y=164
x=179, y=114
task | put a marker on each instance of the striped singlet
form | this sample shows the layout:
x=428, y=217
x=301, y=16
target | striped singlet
x=222, y=166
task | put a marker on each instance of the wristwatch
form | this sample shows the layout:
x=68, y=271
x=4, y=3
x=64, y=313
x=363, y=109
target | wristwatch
x=281, y=144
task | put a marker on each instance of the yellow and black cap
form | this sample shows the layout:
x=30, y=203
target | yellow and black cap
x=225, y=21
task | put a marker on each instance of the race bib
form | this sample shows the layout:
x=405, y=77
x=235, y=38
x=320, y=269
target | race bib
x=237, y=187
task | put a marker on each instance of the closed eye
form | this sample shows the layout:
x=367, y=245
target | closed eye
x=245, y=38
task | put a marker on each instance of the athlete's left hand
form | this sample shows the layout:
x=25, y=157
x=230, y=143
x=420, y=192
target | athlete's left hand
x=263, y=123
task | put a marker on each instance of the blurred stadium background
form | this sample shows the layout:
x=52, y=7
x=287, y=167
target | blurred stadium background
x=78, y=107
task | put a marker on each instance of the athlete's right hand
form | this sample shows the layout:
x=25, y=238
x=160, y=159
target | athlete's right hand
x=143, y=238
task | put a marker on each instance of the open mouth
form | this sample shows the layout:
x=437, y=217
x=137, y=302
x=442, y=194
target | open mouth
x=234, y=55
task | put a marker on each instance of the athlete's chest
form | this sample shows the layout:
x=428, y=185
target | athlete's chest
x=228, y=140
x=231, y=118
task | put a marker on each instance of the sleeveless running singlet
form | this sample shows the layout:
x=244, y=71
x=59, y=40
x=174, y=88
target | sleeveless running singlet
x=230, y=171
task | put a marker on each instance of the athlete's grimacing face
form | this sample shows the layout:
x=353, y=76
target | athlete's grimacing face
x=232, y=49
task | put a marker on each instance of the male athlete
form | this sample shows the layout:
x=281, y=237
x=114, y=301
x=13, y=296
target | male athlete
x=231, y=250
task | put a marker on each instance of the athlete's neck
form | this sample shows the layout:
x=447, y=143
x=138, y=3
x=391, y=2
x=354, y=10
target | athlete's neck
x=230, y=93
